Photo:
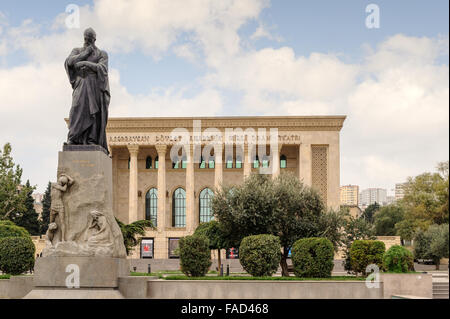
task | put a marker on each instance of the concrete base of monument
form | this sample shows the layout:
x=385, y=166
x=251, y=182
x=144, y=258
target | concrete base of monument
x=78, y=277
x=85, y=272
x=74, y=293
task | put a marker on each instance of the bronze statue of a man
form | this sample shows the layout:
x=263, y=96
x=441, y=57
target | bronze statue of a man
x=87, y=68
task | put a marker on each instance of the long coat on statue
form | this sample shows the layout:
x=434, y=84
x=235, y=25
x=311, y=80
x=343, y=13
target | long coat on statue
x=90, y=100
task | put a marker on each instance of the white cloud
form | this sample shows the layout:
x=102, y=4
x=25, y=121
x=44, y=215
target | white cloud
x=396, y=99
x=262, y=31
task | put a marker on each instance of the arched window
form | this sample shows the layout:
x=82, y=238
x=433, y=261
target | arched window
x=179, y=208
x=206, y=214
x=283, y=161
x=148, y=162
x=183, y=162
x=211, y=161
x=229, y=163
x=156, y=161
x=151, y=206
x=238, y=161
x=256, y=162
x=202, y=163
x=177, y=163
x=265, y=161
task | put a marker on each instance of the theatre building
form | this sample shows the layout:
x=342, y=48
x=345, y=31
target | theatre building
x=175, y=191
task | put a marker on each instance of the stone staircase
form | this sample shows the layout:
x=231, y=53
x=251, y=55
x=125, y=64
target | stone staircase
x=440, y=286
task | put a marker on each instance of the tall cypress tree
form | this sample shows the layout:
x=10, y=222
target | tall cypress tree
x=46, y=202
x=28, y=218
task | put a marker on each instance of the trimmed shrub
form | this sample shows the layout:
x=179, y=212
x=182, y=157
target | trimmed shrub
x=9, y=229
x=16, y=255
x=195, y=256
x=398, y=259
x=260, y=255
x=313, y=257
x=364, y=253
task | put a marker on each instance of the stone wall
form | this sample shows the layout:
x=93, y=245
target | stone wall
x=235, y=289
x=39, y=243
x=418, y=285
x=390, y=285
x=389, y=241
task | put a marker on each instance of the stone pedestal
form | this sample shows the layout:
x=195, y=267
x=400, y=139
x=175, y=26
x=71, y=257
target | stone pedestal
x=88, y=260
x=93, y=272
x=91, y=191
x=78, y=277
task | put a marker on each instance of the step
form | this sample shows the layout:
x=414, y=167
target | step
x=440, y=297
x=440, y=293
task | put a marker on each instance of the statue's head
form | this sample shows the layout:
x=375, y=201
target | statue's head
x=63, y=180
x=90, y=36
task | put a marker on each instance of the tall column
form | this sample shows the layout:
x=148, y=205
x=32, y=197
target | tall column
x=305, y=163
x=191, y=220
x=114, y=157
x=276, y=160
x=218, y=166
x=161, y=149
x=247, y=160
x=334, y=182
x=133, y=194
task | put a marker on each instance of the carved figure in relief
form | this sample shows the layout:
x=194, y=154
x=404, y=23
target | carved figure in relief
x=57, y=206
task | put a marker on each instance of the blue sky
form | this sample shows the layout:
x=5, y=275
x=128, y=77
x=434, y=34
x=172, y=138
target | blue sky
x=325, y=39
x=306, y=26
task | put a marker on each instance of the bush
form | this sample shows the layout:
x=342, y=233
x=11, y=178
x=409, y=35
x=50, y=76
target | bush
x=364, y=253
x=195, y=256
x=9, y=229
x=313, y=257
x=398, y=259
x=16, y=255
x=260, y=255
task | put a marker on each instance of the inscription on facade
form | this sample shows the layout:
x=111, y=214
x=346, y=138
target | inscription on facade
x=171, y=139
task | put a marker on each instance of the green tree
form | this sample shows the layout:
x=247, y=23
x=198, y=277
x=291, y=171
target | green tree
x=370, y=211
x=426, y=197
x=16, y=255
x=213, y=232
x=406, y=229
x=9, y=229
x=46, y=203
x=355, y=229
x=386, y=218
x=131, y=231
x=27, y=218
x=260, y=255
x=432, y=243
x=282, y=207
x=12, y=194
x=398, y=259
x=195, y=256
x=364, y=253
x=332, y=225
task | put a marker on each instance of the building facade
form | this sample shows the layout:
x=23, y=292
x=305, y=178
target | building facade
x=399, y=190
x=371, y=196
x=155, y=178
x=349, y=195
